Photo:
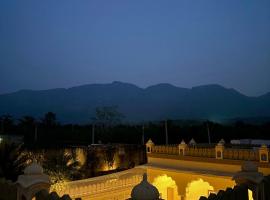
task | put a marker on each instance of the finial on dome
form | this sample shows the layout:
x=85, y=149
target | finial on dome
x=144, y=177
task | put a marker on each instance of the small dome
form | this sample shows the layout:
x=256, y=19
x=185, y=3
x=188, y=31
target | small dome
x=144, y=191
x=192, y=142
x=222, y=141
x=183, y=142
x=150, y=142
x=33, y=168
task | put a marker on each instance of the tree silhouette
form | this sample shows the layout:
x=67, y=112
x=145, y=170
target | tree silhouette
x=49, y=119
x=12, y=160
x=28, y=125
x=7, y=123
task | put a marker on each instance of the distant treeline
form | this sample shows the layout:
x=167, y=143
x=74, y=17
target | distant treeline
x=47, y=131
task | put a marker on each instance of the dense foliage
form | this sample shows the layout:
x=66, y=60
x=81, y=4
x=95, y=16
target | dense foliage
x=48, y=132
x=12, y=160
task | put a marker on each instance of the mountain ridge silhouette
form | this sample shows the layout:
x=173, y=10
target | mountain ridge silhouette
x=77, y=104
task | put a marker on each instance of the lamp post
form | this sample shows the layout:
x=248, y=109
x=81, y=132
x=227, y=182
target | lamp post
x=93, y=133
x=208, y=132
x=143, y=134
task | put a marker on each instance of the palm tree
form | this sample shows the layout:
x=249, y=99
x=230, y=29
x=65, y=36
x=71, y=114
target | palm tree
x=12, y=160
x=61, y=163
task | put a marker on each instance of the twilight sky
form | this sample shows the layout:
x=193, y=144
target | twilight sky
x=63, y=43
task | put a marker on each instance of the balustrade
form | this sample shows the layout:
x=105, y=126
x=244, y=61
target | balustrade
x=210, y=151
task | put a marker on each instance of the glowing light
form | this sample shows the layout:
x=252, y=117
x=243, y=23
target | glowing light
x=1, y=139
x=198, y=188
x=59, y=182
x=108, y=168
x=166, y=187
x=250, y=197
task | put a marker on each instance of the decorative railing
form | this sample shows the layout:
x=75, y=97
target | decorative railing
x=241, y=154
x=172, y=149
x=200, y=152
x=103, y=185
x=218, y=151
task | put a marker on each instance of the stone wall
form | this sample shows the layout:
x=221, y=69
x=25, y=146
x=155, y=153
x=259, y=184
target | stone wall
x=122, y=157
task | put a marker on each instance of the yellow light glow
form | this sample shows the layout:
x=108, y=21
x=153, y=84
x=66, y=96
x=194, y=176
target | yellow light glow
x=250, y=197
x=166, y=187
x=198, y=188
x=58, y=184
x=105, y=167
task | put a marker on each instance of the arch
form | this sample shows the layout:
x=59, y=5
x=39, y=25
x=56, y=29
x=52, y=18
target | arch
x=41, y=194
x=250, y=194
x=197, y=188
x=166, y=186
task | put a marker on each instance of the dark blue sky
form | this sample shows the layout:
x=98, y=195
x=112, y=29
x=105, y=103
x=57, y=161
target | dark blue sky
x=48, y=44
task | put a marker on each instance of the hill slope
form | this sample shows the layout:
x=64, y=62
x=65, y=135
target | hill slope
x=77, y=104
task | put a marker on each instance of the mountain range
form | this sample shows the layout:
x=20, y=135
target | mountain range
x=157, y=102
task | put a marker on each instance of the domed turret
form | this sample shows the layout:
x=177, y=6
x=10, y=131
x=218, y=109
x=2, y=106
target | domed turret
x=32, y=181
x=144, y=191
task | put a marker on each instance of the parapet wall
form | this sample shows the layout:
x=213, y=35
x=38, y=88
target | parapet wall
x=219, y=151
x=114, y=186
x=215, y=158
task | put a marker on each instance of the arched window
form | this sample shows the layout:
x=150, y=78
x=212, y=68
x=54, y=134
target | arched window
x=263, y=157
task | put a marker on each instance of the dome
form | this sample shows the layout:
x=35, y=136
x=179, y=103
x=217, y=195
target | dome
x=33, y=168
x=222, y=141
x=150, y=142
x=183, y=142
x=144, y=191
x=192, y=142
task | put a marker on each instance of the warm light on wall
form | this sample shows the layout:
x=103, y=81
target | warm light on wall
x=107, y=168
x=250, y=197
x=59, y=183
x=162, y=183
x=198, y=188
